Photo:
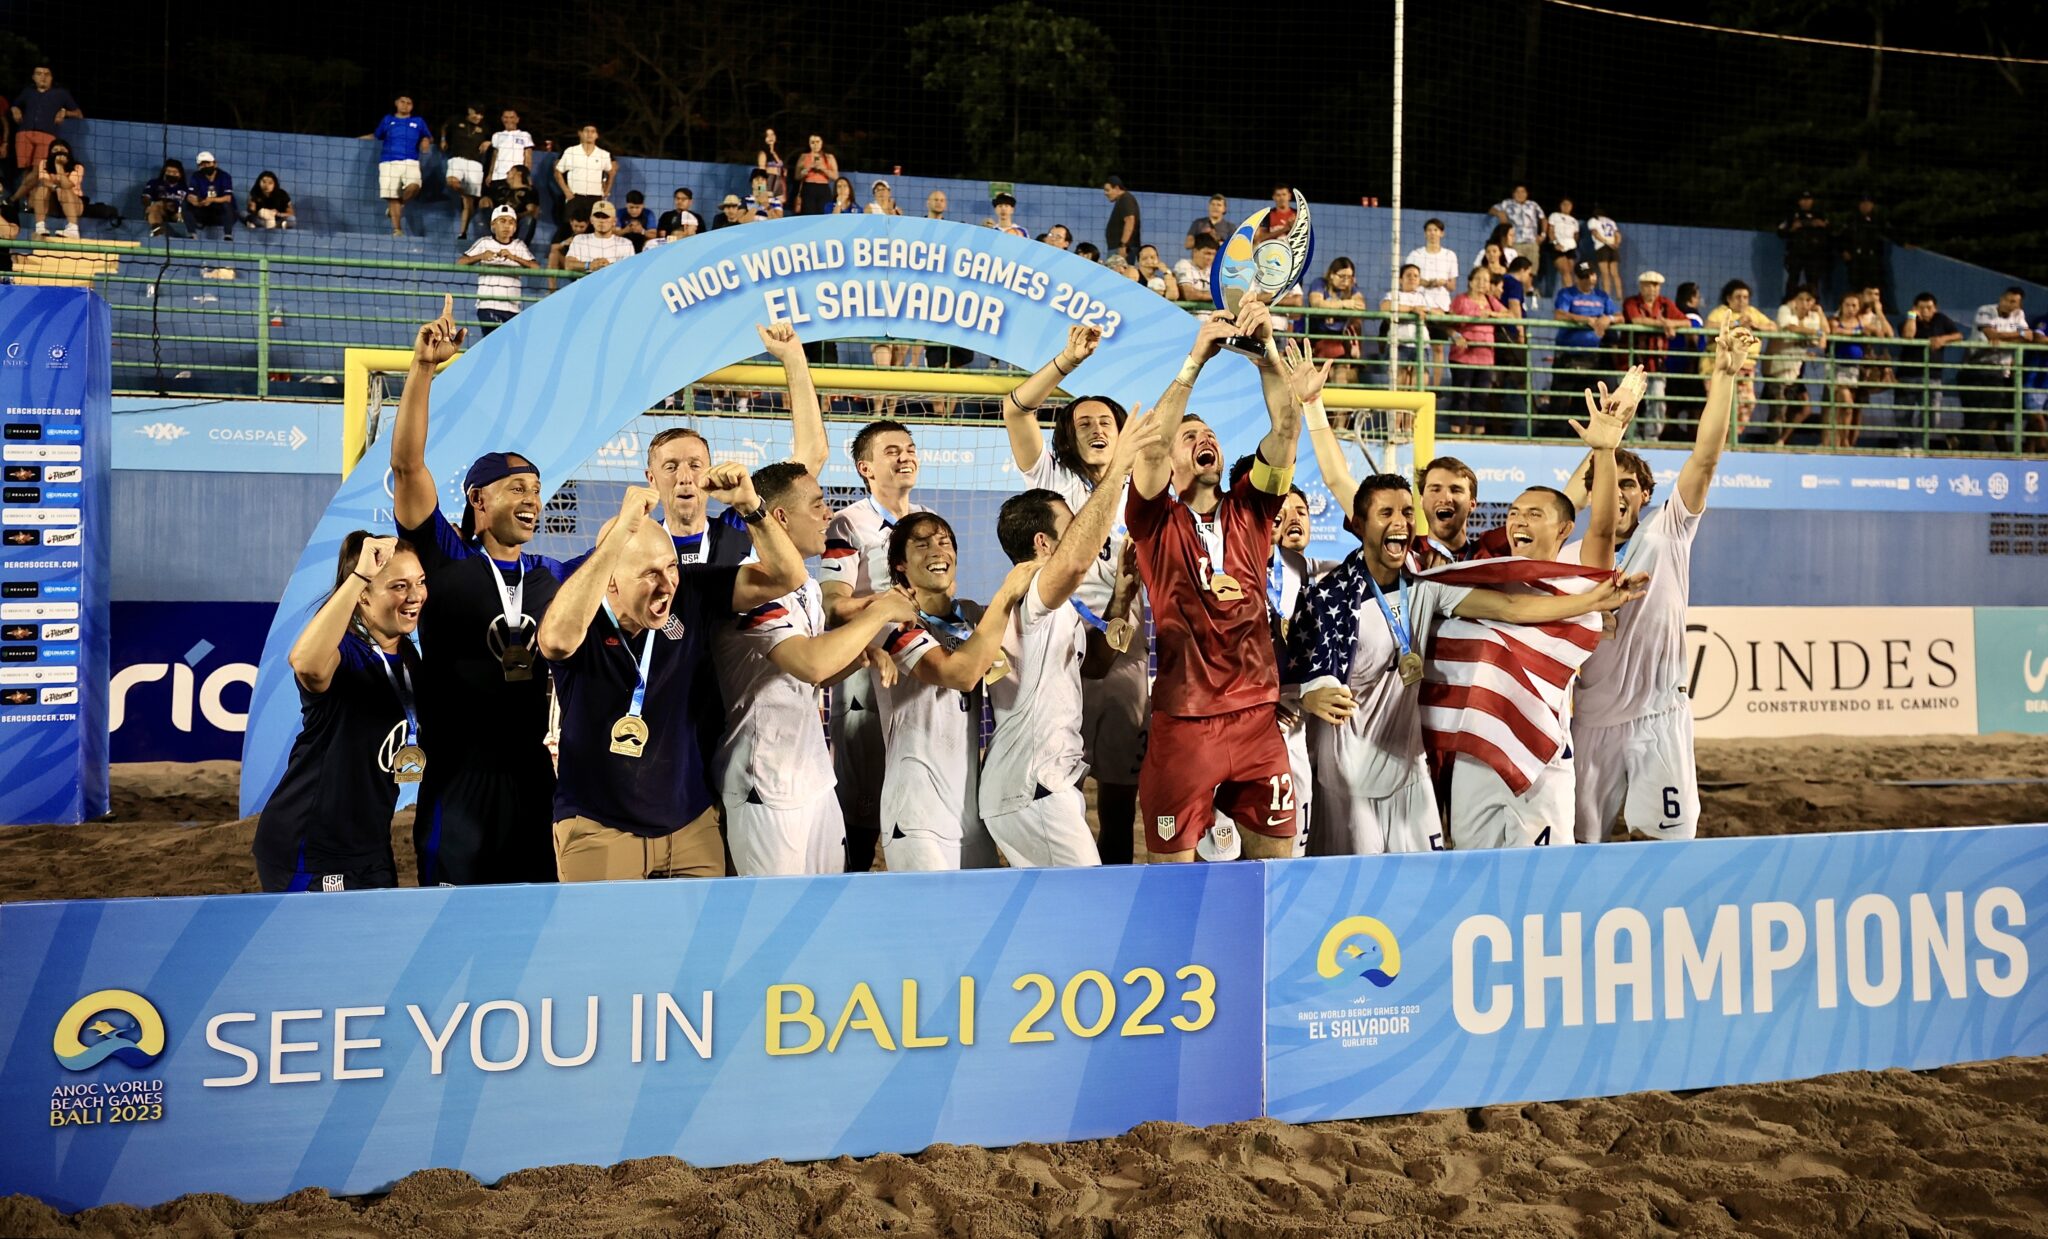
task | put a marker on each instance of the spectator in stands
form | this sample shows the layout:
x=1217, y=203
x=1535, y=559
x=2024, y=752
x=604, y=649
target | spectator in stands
x=1877, y=375
x=1936, y=331
x=769, y=160
x=1472, y=355
x=1851, y=322
x=59, y=181
x=843, y=201
x=761, y=202
x=1153, y=273
x=497, y=296
x=1191, y=274
x=730, y=211
x=558, y=253
x=816, y=169
x=163, y=200
x=1061, y=237
x=511, y=147
x=1803, y=332
x=1735, y=307
x=2035, y=397
x=269, y=205
x=1650, y=308
x=1280, y=216
x=1216, y=224
x=1495, y=259
x=1510, y=340
x=1561, y=230
x=517, y=191
x=1334, y=336
x=1121, y=234
x=1989, y=399
x=463, y=142
x=1687, y=388
x=882, y=199
x=1005, y=207
x=1863, y=247
x=584, y=174
x=210, y=198
x=1406, y=336
x=1087, y=250
x=1587, y=313
x=635, y=224
x=1525, y=223
x=1807, y=253
x=935, y=204
x=602, y=245
x=1440, y=272
x=1606, y=237
x=404, y=138
x=38, y=111
x=681, y=221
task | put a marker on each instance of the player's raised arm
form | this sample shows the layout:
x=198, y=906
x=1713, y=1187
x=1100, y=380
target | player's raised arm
x=412, y=487
x=1081, y=544
x=1154, y=466
x=316, y=654
x=1020, y=407
x=1278, y=447
x=1696, y=476
x=780, y=566
x=964, y=666
x=1305, y=381
x=568, y=617
x=806, y=417
x=1607, y=418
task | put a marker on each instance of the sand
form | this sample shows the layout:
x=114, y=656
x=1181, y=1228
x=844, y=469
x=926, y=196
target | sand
x=1956, y=1151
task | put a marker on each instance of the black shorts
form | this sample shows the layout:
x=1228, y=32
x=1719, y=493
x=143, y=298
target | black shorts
x=485, y=818
x=1606, y=253
x=1440, y=331
x=375, y=875
x=946, y=357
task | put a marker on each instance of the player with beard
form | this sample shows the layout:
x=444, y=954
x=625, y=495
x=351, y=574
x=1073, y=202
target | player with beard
x=635, y=799
x=1114, y=707
x=855, y=568
x=1203, y=552
x=944, y=652
x=1632, y=726
x=1351, y=636
x=678, y=458
x=773, y=770
x=1030, y=800
x=483, y=696
x=327, y=827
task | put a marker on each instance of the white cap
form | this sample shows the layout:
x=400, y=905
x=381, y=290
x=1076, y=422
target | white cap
x=1219, y=842
x=504, y=212
x=1650, y=277
x=204, y=157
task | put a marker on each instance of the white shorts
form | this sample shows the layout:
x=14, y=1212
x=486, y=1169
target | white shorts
x=769, y=842
x=1644, y=770
x=1351, y=824
x=394, y=177
x=1304, y=780
x=1484, y=814
x=1114, y=710
x=858, y=758
x=1049, y=833
x=924, y=851
x=468, y=175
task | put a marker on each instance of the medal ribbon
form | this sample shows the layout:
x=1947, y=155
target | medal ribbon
x=952, y=625
x=511, y=596
x=646, y=657
x=401, y=687
x=1396, y=622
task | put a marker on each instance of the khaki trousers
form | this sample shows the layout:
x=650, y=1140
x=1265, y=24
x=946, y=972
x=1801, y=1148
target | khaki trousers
x=589, y=851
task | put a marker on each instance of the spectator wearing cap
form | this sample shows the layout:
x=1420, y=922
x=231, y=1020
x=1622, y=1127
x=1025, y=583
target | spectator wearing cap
x=1586, y=312
x=1808, y=258
x=1650, y=308
x=602, y=245
x=1005, y=206
x=497, y=296
x=1524, y=221
x=163, y=200
x=635, y=224
x=679, y=221
x=210, y=198
x=1863, y=247
x=38, y=111
x=1216, y=225
x=882, y=199
x=1121, y=234
x=404, y=138
x=730, y=211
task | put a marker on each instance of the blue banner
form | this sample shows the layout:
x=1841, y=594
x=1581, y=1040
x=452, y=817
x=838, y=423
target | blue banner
x=1404, y=983
x=182, y=672
x=56, y=380
x=227, y=436
x=255, y=1044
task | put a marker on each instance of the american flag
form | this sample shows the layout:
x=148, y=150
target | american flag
x=1499, y=691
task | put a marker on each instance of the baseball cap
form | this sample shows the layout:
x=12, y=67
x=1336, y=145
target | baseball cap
x=1650, y=277
x=602, y=207
x=204, y=157
x=880, y=184
x=1583, y=268
x=504, y=212
x=496, y=467
x=730, y=200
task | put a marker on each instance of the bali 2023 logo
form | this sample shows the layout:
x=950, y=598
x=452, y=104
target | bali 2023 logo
x=115, y=1024
x=1361, y=946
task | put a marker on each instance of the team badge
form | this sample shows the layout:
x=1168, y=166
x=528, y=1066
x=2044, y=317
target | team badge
x=1166, y=826
x=333, y=882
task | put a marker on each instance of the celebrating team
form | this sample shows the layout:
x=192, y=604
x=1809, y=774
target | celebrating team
x=1428, y=690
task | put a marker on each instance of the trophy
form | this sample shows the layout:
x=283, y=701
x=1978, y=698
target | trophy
x=1251, y=264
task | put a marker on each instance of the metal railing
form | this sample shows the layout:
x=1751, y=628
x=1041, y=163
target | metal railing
x=210, y=321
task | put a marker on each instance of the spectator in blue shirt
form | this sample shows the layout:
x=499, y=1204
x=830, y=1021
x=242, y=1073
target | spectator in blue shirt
x=37, y=112
x=405, y=138
x=163, y=200
x=210, y=199
x=1589, y=311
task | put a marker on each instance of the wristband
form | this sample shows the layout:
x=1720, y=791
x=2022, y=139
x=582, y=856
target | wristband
x=357, y=572
x=1189, y=369
x=1062, y=373
x=1314, y=415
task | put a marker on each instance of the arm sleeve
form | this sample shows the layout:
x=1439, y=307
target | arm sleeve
x=908, y=645
x=768, y=625
x=1030, y=611
x=841, y=561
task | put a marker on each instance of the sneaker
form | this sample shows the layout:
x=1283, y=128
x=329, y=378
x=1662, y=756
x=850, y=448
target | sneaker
x=156, y=230
x=42, y=229
x=71, y=232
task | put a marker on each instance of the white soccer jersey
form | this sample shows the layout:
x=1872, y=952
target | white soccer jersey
x=1037, y=707
x=1379, y=750
x=1442, y=265
x=498, y=292
x=508, y=148
x=932, y=779
x=1641, y=670
x=774, y=745
x=857, y=546
x=1100, y=583
x=589, y=247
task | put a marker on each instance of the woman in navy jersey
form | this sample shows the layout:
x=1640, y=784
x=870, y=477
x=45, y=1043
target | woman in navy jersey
x=328, y=824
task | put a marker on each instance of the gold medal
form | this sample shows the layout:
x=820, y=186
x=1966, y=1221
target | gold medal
x=517, y=663
x=629, y=735
x=1225, y=587
x=1410, y=668
x=409, y=764
x=996, y=670
x=1118, y=634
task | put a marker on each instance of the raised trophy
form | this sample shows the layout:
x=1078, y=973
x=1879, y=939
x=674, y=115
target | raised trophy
x=1256, y=262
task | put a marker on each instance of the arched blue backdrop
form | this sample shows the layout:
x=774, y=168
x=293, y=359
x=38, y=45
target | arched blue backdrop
x=568, y=373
